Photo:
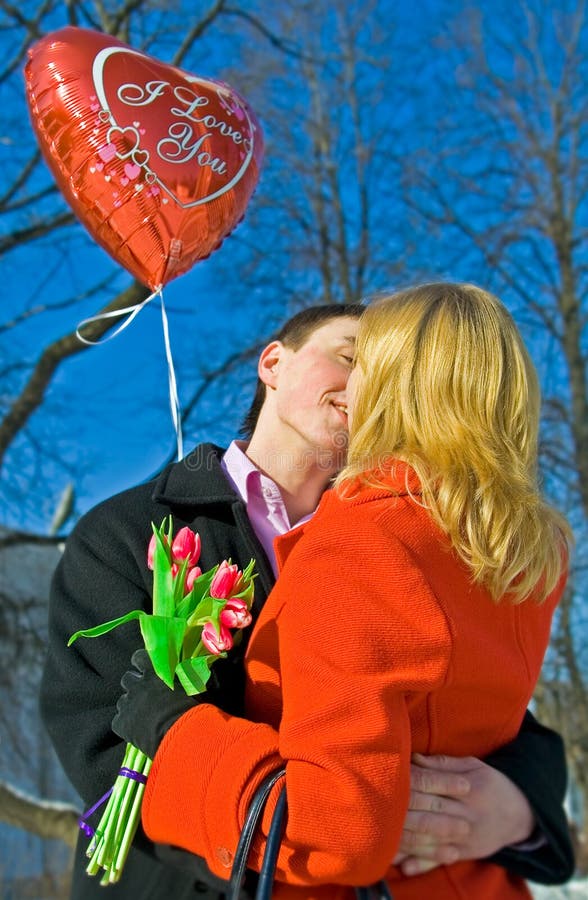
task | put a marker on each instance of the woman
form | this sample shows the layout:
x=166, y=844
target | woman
x=412, y=613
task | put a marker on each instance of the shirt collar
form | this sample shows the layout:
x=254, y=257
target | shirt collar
x=245, y=478
x=239, y=469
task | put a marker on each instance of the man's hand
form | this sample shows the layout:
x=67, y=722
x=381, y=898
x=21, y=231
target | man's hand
x=460, y=808
x=147, y=708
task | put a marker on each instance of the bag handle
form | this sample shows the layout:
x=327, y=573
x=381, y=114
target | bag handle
x=247, y=834
x=379, y=891
x=272, y=849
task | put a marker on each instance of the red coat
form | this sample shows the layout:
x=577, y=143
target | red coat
x=373, y=644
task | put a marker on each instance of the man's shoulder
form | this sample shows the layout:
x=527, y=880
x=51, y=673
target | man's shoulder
x=187, y=482
x=197, y=478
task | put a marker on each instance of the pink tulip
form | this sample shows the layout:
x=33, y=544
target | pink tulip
x=235, y=614
x=191, y=577
x=225, y=580
x=151, y=550
x=215, y=642
x=186, y=545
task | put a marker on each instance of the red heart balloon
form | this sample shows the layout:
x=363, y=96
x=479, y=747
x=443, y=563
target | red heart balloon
x=158, y=164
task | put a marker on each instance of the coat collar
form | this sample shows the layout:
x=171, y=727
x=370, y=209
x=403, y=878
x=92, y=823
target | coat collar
x=394, y=476
x=398, y=479
x=196, y=479
x=199, y=479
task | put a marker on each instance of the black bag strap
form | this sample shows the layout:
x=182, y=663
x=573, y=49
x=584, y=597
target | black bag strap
x=379, y=891
x=248, y=833
x=272, y=849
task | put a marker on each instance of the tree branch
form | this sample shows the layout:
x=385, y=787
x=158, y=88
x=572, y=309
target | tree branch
x=33, y=232
x=197, y=31
x=32, y=394
x=48, y=819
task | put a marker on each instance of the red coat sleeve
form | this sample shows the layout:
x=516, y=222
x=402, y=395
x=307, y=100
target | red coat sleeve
x=355, y=642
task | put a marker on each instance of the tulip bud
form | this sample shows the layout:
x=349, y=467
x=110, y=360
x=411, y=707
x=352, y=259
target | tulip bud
x=191, y=576
x=225, y=580
x=186, y=545
x=213, y=641
x=235, y=614
x=151, y=551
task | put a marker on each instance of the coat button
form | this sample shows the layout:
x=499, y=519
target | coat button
x=224, y=856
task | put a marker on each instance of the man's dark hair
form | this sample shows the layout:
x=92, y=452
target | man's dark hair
x=293, y=334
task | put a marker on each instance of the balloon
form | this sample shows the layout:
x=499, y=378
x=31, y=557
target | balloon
x=158, y=164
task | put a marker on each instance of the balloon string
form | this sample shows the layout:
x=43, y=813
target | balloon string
x=173, y=388
x=134, y=311
x=131, y=312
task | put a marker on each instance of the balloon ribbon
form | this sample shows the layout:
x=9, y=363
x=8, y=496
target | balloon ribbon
x=131, y=312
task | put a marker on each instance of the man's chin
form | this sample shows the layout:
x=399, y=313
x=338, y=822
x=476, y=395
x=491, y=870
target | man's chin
x=333, y=459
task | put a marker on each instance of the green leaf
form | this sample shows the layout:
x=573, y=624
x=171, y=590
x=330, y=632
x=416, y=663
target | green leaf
x=208, y=610
x=163, y=586
x=191, y=641
x=178, y=583
x=194, y=673
x=246, y=594
x=202, y=611
x=186, y=607
x=247, y=573
x=163, y=636
x=202, y=583
x=106, y=626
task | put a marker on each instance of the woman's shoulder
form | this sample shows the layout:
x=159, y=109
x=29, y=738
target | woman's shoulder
x=373, y=497
x=370, y=521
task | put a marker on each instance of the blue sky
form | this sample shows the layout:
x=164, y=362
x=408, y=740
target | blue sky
x=106, y=412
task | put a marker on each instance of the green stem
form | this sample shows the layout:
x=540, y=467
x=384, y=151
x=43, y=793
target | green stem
x=142, y=765
x=134, y=761
x=107, y=827
x=119, y=821
x=97, y=843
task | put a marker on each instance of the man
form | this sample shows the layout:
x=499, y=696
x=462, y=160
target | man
x=238, y=501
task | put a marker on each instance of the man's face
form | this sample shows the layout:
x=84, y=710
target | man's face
x=310, y=398
x=352, y=384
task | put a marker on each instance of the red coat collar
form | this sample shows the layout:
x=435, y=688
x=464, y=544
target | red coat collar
x=396, y=478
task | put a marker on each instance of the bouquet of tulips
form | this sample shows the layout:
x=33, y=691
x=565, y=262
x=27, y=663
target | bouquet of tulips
x=194, y=613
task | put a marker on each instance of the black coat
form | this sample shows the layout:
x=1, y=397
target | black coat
x=103, y=574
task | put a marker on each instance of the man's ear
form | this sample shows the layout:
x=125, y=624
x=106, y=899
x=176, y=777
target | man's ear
x=267, y=366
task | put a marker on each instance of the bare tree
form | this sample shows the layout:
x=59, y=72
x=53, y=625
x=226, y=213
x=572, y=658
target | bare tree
x=501, y=197
x=322, y=223
x=328, y=185
x=41, y=237
x=35, y=218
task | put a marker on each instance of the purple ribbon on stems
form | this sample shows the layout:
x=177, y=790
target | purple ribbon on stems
x=126, y=773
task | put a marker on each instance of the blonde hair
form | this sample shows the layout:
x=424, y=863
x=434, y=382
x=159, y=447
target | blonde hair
x=447, y=385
